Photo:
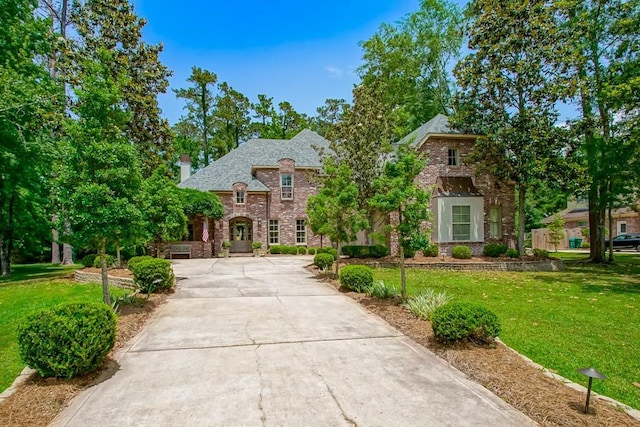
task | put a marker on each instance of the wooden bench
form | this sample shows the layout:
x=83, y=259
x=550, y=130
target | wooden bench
x=180, y=250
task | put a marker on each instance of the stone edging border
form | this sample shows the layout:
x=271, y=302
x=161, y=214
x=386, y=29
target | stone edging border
x=545, y=265
x=634, y=413
x=121, y=282
x=23, y=377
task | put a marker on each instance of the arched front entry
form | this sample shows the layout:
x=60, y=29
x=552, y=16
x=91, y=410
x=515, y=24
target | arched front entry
x=241, y=234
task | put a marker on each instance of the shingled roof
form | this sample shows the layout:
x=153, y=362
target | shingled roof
x=236, y=166
x=438, y=125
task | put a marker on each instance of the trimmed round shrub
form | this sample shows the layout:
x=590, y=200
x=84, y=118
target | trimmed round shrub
x=87, y=261
x=461, y=252
x=153, y=275
x=328, y=250
x=494, y=250
x=541, y=253
x=357, y=278
x=433, y=250
x=110, y=259
x=323, y=261
x=131, y=264
x=585, y=245
x=302, y=250
x=67, y=340
x=311, y=251
x=512, y=253
x=378, y=251
x=457, y=321
x=275, y=249
x=290, y=250
x=256, y=245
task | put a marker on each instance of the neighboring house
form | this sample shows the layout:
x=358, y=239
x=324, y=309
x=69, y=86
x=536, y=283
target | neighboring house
x=264, y=185
x=467, y=209
x=576, y=218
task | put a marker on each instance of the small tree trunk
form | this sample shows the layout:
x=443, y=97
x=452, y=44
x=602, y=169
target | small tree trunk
x=67, y=250
x=118, y=255
x=521, y=218
x=5, y=260
x=103, y=270
x=338, y=259
x=610, y=248
x=55, y=245
x=403, y=274
x=596, y=228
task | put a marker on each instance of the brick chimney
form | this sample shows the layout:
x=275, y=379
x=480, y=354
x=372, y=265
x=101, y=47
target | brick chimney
x=185, y=167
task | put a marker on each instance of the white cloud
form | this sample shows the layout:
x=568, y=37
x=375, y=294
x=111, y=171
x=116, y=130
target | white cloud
x=333, y=71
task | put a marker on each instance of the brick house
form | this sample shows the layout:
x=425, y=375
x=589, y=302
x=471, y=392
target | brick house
x=467, y=209
x=264, y=185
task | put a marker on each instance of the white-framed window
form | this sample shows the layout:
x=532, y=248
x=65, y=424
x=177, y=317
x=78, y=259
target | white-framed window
x=495, y=222
x=301, y=232
x=274, y=232
x=286, y=186
x=240, y=197
x=452, y=157
x=622, y=227
x=461, y=220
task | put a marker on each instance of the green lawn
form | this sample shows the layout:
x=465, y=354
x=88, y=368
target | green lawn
x=31, y=288
x=585, y=316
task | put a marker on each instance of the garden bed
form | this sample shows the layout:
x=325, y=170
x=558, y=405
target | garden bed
x=526, y=387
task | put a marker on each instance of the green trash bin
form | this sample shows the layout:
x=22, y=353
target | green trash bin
x=578, y=242
x=572, y=242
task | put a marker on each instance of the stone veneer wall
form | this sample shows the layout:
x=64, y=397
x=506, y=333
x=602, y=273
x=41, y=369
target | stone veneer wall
x=120, y=282
x=545, y=265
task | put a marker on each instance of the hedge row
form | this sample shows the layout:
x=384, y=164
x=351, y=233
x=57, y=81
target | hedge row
x=363, y=251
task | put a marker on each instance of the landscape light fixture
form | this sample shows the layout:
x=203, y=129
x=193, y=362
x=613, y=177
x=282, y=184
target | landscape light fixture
x=591, y=373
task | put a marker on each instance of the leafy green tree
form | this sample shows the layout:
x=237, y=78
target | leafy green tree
x=263, y=111
x=556, y=231
x=601, y=48
x=200, y=108
x=99, y=185
x=114, y=26
x=29, y=102
x=363, y=138
x=201, y=202
x=336, y=206
x=329, y=115
x=414, y=58
x=163, y=211
x=232, y=118
x=509, y=90
x=398, y=195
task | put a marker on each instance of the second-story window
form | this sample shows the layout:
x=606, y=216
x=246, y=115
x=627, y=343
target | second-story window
x=453, y=157
x=240, y=195
x=286, y=186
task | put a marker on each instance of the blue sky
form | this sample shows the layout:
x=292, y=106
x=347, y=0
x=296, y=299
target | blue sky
x=296, y=51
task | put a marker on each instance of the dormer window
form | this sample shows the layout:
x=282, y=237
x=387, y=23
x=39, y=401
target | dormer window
x=453, y=157
x=240, y=196
x=286, y=186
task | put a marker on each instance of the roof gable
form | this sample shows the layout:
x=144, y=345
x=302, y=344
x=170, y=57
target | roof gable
x=439, y=125
x=237, y=165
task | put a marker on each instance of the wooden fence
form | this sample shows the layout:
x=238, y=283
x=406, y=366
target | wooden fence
x=540, y=238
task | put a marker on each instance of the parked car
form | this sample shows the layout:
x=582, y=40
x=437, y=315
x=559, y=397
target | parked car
x=621, y=241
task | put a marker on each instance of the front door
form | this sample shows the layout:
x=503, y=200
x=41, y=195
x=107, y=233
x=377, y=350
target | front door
x=241, y=230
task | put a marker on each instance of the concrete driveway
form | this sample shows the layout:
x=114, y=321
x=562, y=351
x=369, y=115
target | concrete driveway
x=258, y=341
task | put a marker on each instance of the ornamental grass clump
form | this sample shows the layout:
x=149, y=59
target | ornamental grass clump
x=357, y=278
x=424, y=304
x=465, y=321
x=67, y=340
x=381, y=290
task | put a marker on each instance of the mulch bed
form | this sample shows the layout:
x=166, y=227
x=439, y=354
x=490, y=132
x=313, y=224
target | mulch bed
x=547, y=401
x=37, y=401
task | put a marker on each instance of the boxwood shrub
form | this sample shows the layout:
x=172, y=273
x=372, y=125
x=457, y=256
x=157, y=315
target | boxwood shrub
x=67, y=340
x=363, y=251
x=457, y=321
x=328, y=250
x=87, y=260
x=311, y=251
x=494, y=250
x=275, y=249
x=111, y=261
x=131, y=264
x=356, y=277
x=512, y=253
x=301, y=250
x=461, y=252
x=433, y=250
x=541, y=253
x=323, y=261
x=153, y=275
